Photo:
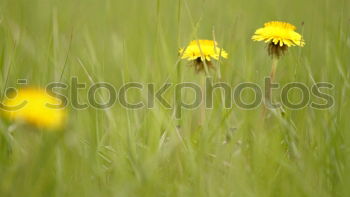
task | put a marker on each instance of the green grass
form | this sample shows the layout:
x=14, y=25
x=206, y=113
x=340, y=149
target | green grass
x=146, y=152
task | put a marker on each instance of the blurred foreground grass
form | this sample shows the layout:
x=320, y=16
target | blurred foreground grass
x=119, y=152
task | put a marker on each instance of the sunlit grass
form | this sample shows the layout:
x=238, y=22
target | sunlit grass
x=147, y=152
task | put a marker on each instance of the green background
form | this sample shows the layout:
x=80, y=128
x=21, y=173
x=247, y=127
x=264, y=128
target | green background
x=146, y=152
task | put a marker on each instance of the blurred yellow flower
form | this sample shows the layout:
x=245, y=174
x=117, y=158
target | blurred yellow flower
x=279, y=35
x=202, y=50
x=35, y=107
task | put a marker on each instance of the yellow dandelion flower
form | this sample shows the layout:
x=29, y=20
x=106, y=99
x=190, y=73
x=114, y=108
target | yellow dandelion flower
x=279, y=36
x=35, y=107
x=199, y=51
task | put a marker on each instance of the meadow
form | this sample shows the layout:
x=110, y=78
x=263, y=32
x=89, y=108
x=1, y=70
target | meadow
x=148, y=152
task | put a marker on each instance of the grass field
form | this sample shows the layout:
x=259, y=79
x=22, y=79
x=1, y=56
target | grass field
x=147, y=152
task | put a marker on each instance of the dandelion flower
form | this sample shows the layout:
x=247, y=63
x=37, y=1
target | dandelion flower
x=200, y=51
x=279, y=36
x=34, y=106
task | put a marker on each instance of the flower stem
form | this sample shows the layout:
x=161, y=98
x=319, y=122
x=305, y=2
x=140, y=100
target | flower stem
x=202, y=106
x=272, y=78
x=268, y=93
x=273, y=68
